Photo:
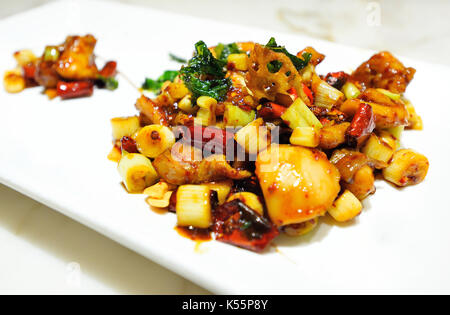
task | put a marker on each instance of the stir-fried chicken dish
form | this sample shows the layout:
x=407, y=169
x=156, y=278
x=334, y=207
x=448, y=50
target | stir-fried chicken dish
x=247, y=141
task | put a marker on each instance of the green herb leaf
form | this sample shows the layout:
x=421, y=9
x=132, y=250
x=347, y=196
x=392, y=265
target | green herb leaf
x=205, y=75
x=274, y=66
x=204, y=62
x=168, y=75
x=224, y=50
x=151, y=85
x=177, y=59
x=111, y=84
x=216, y=89
x=298, y=62
x=155, y=85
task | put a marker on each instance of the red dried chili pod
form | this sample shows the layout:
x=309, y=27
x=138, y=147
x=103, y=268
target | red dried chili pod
x=29, y=71
x=216, y=139
x=235, y=223
x=292, y=91
x=308, y=93
x=74, y=89
x=109, y=69
x=362, y=125
x=129, y=145
x=271, y=110
x=337, y=79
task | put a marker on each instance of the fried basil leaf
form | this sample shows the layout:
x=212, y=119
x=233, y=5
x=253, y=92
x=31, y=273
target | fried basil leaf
x=224, y=50
x=298, y=62
x=177, y=59
x=274, y=66
x=155, y=85
x=204, y=75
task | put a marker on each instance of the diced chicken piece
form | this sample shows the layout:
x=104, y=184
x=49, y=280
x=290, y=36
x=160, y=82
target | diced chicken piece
x=384, y=71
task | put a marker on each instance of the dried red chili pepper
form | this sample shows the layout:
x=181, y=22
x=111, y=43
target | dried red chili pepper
x=271, y=110
x=337, y=79
x=109, y=69
x=362, y=125
x=128, y=144
x=216, y=139
x=292, y=91
x=29, y=71
x=74, y=89
x=308, y=93
x=235, y=223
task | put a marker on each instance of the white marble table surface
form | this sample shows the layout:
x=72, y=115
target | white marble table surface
x=44, y=252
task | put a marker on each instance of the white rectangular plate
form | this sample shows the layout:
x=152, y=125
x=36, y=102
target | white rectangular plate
x=55, y=152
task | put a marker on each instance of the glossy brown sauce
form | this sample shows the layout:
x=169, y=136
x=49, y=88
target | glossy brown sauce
x=194, y=234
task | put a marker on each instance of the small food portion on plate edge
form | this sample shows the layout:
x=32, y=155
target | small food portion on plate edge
x=67, y=70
